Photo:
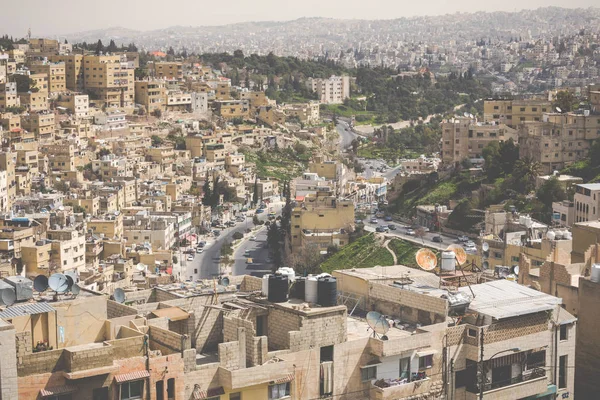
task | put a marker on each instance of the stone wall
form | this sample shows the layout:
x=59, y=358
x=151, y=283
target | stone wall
x=8, y=362
x=522, y=326
x=251, y=284
x=279, y=325
x=166, y=341
x=116, y=310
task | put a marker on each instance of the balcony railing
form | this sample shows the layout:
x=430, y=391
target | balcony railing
x=536, y=373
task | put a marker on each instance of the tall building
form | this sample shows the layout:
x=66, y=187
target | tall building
x=151, y=94
x=73, y=70
x=166, y=70
x=55, y=73
x=8, y=95
x=333, y=90
x=109, y=80
x=514, y=112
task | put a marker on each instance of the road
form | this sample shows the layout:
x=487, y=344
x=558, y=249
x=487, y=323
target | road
x=256, y=250
x=400, y=233
x=206, y=264
x=346, y=135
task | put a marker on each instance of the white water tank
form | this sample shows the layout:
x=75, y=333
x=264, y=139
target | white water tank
x=595, y=275
x=558, y=235
x=289, y=272
x=448, y=261
x=522, y=219
x=551, y=235
x=310, y=290
x=265, y=285
x=567, y=235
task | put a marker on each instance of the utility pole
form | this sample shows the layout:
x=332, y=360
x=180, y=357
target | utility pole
x=481, y=365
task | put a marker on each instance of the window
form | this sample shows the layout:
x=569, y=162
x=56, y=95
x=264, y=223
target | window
x=160, y=390
x=100, y=393
x=368, y=373
x=279, y=391
x=515, y=259
x=497, y=255
x=536, y=359
x=132, y=390
x=562, y=372
x=405, y=368
x=326, y=353
x=235, y=396
x=472, y=332
x=426, y=361
x=564, y=332
x=171, y=388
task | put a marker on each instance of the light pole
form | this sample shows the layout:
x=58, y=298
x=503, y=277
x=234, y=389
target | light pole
x=482, y=374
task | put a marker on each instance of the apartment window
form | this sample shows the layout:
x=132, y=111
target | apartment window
x=562, y=372
x=472, y=332
x=496, y=107
x=457, y=141
x=522, y=108
x=100, y=393
x=235, y=396
x=279, y=391
x=536, y=359
x=426, y=361
x=534, y=109
x=132, y=390
x=368, y=373
x=564, y=332
x=515, y=259
x=497, y=255
x=522, y=119
x=171, y=388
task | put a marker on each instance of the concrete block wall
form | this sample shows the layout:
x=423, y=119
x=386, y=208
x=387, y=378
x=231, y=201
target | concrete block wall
x=231, y=326
x=40, y=363
x=115, y=310
x=423, y=302
x=128, y=347
x=94, y=357
x=279, y=325
x=319, y=331
x=24, y=344
x=522, y=326
x=162, y=322
x=8, y=362
x=251, y=284
x=229, y=355
x=166, y=341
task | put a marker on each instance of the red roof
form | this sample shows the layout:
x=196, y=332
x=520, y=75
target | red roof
x=58, y=390
x=132, y=376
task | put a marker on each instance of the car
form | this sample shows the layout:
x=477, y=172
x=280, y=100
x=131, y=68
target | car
x=471, y=249
x=253, y=238
x=462, y=239
x=190, y=258
x=260, y=211
x=388, y=218
x=202, y=243
x=469, y=243
x=216, y=233
x=246, y=253
x=199, y=250
x=373, y=220
x=410, y=232
x=438, y=239
x=380, y=229
x=392, y=227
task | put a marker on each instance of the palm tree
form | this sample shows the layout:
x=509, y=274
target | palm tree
x=525, y=173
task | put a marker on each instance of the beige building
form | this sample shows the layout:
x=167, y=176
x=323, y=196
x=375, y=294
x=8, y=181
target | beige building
x=230, y=109
x=8, y=95
x=55, y=73
x=41, y=124
x=465, y=138
x=333, y=90
x=150, y=94
x=167, y=70
x=515, y=112
x=587, y=202
x=74, y=75
x=109, y=80
x=78, y=104
x=8, y=163
x=322, y=220
x=34, y=101
x=307, y=113
x=43, y=45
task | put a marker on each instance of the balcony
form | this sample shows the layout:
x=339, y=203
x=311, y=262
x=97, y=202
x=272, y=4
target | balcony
x=525, y=385
x=403, y=390
x=232, y=380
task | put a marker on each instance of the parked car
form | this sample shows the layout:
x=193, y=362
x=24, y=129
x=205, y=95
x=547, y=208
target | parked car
x=199, y=250
x=246, y=253
x=358, y=221
x=216, y=233
x=373, y=220
x=462, y=239
x=190, y=258
x=388, y=218
x=410, y=232
x=380, y=229
x=260, y=211
x=438, y=239
x=392, y=227
x=253, y=238
x=470, y=243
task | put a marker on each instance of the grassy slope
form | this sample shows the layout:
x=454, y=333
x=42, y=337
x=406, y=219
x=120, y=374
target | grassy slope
x=276, y=165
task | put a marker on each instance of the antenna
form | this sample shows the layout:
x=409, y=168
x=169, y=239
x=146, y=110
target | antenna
x=378, y=323
x=426, y=259
x=141, y=267
x=58, y=283
x=459, y=252
x=119, y=295
x=40, y=283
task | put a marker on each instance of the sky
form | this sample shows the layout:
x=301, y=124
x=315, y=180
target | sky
x=72, y=16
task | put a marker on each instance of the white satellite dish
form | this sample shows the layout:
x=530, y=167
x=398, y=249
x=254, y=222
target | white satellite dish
x=558, y=109
x=141, y=267
x=485, y=246
x=119, y=295
x=59, y=283
x=378, y=323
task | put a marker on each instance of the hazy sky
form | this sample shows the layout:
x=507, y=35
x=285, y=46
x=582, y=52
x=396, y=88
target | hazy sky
x=69, y=16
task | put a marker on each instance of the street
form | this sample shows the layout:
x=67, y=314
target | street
x=206, y=264
x=257, y=251
x=400, y=233
x=346, y=135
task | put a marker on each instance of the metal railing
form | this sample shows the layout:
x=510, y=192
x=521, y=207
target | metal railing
x=536, y=373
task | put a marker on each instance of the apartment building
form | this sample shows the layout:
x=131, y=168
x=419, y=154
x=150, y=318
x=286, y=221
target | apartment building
x=308, y=113
x=321, y=220
x=150, y=94
x=177, y=100
x=8, y=163
x=55, y=75
x=109, y=80
x=8, y=95
x=230, y=109
x=166, y=70
x=109, y=226
x=465, y=138
x=74, y=71
x=42, y=124
x=587, y=202
x=34, y=101
x=333, y=90
x=77, y=104
x=43, y=45
x=513, y=112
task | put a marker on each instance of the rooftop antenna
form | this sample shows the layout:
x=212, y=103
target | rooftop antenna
x=119, y=295
x=426, y=259
x=40, y=283
x=378, y=324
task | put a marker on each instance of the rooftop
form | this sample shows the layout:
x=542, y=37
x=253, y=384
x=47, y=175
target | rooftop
x=590, y=186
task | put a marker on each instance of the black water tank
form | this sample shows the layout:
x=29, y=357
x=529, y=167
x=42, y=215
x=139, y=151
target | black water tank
x=278, y=288
x=327, y=291
x=298, y=287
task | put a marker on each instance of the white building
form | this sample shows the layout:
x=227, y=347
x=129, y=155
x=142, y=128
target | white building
x=332, y=90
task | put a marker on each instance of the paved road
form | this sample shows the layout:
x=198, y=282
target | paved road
x=256, y=250
x=346, y=135
x=206, y=264
x=400, y=233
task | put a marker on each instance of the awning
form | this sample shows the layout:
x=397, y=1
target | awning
x=172, y=313
x=285, y=379
x=199, y=394
x=424, y=353
x=132, y=376
x=58, y=390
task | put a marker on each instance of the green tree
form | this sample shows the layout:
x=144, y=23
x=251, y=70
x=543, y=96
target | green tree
x=550, y=192
x=99, y=48
x=565, y=101
x=156, y=140
x=206, y=191
x=462, y=217
x=594, y=153
x=525, y=173
x=112, y=47
x=255, y=193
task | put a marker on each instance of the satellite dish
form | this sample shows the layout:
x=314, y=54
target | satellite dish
x=119, y=295
x=426, y=259
x=73, y=274
x=70, y=282
x=377, y=322
x=225, y=281
x=466, y=114
x=8, y=296
x=58, y=283
x=141, y=267
x=485, y=246
x=515, y=270
x=40, y=283
x=75, y=289
x=485, y=265
x=558, y=109
x=459, y=252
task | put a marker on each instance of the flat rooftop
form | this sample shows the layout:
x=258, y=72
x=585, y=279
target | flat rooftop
x=358, y=329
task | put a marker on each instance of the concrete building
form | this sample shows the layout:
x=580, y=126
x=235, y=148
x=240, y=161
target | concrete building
x=465, y=138
x=321, y=220
x=587, y=202
x=74, y=70
x=109, y=80
x=333, y=90
x=8, y=95
x=42, y=124
x=77, y=104
x=150, y=94
x=166, y=70
x=515, y=112
x=230, y=109
x=55, y=73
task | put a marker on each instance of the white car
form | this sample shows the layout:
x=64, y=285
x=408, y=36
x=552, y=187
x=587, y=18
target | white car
x=253, y=238
x=190, y=258
x=199, y=250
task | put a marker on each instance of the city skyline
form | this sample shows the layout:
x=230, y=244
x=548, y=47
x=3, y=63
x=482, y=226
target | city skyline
x=65, y=20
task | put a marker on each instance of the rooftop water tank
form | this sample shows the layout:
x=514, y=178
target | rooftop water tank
x=448, y=261
x=551, y=235
x=23, y=287
x=7, y=294
x=298, y=288
x=287, y=271
x=265, y=285
x=278, y=288
x=327, y=291
x=311, y=290
x=595, y=275
x=567, y=235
